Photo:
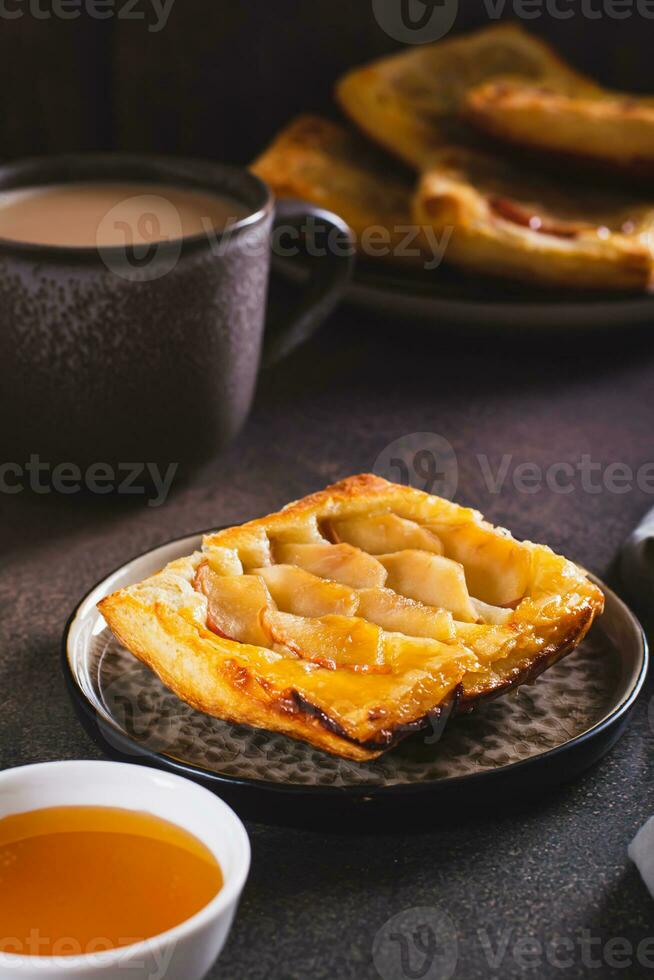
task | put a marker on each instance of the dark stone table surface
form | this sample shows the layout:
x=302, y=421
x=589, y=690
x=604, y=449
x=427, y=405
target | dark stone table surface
x=508, y=873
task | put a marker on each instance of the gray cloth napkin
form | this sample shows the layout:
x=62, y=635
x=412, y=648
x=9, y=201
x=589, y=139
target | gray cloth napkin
x=637, y=564
x=637, y=570
x=641, y=852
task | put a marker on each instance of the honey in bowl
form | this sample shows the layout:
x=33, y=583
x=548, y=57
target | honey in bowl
x=79, y=880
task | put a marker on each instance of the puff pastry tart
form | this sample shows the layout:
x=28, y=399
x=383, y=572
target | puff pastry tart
x=612, y=131
x=412, y=102
x=324, y=163
x=355, y=616
x=512, y=223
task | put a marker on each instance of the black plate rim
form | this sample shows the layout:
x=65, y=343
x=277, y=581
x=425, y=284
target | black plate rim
x=618, y=715
x=403, y=286
x=377, y=288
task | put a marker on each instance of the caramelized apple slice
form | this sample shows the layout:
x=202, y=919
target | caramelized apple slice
x=305, y=532
x=250, y=542
x=299, y=592
x=493, y=615
x=382, y=534
x=331, y=641
x=339, y=562
x=236, y=605
x=412, y=653
x=399, y=614
x=489, y=643
x=498, y=568
x=224, y=561
x=430, y=579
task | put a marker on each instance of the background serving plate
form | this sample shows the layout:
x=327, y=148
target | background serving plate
x=535, y=737
x=448, y=297
x=452, y=298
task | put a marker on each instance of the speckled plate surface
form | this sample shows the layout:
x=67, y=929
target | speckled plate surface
x=545, y=732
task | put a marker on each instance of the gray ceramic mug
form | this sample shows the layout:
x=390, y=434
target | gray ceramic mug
x=106, y=356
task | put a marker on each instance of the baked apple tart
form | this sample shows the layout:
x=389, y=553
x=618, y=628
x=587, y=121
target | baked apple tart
x=414, y=102
x=608, y=130
x=509, y=222
x=355, y=616
x=323, y=162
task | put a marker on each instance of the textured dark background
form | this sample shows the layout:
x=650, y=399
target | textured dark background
x=222, y=76
x=314, y=902
x=217, y=82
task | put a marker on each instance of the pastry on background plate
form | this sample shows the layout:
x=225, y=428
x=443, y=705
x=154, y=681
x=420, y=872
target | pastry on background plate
x=328, y=165
x=508, y=221
x=609, y=130
x=412, y=102
x=355, y=616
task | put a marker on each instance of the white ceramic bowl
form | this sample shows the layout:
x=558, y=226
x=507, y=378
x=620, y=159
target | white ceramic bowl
x=186, y=952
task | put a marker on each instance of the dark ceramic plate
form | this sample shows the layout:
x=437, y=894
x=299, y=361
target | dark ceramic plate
x=447, y=297
x=538, y=736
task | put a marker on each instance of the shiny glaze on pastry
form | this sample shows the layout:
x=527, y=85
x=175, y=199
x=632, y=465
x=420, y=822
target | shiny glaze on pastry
x=412, y=102
x=327, y=164
x=508, y=221
x=612, y=131
x=355, y=616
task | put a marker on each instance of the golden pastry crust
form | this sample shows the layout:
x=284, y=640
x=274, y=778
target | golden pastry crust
x=476, y=210
x=328, y=165
x=507, y=222
x=411, y=102
x=362, y=686
x=613, y=131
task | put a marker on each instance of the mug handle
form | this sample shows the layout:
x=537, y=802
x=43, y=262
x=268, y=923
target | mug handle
x=326, y=284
